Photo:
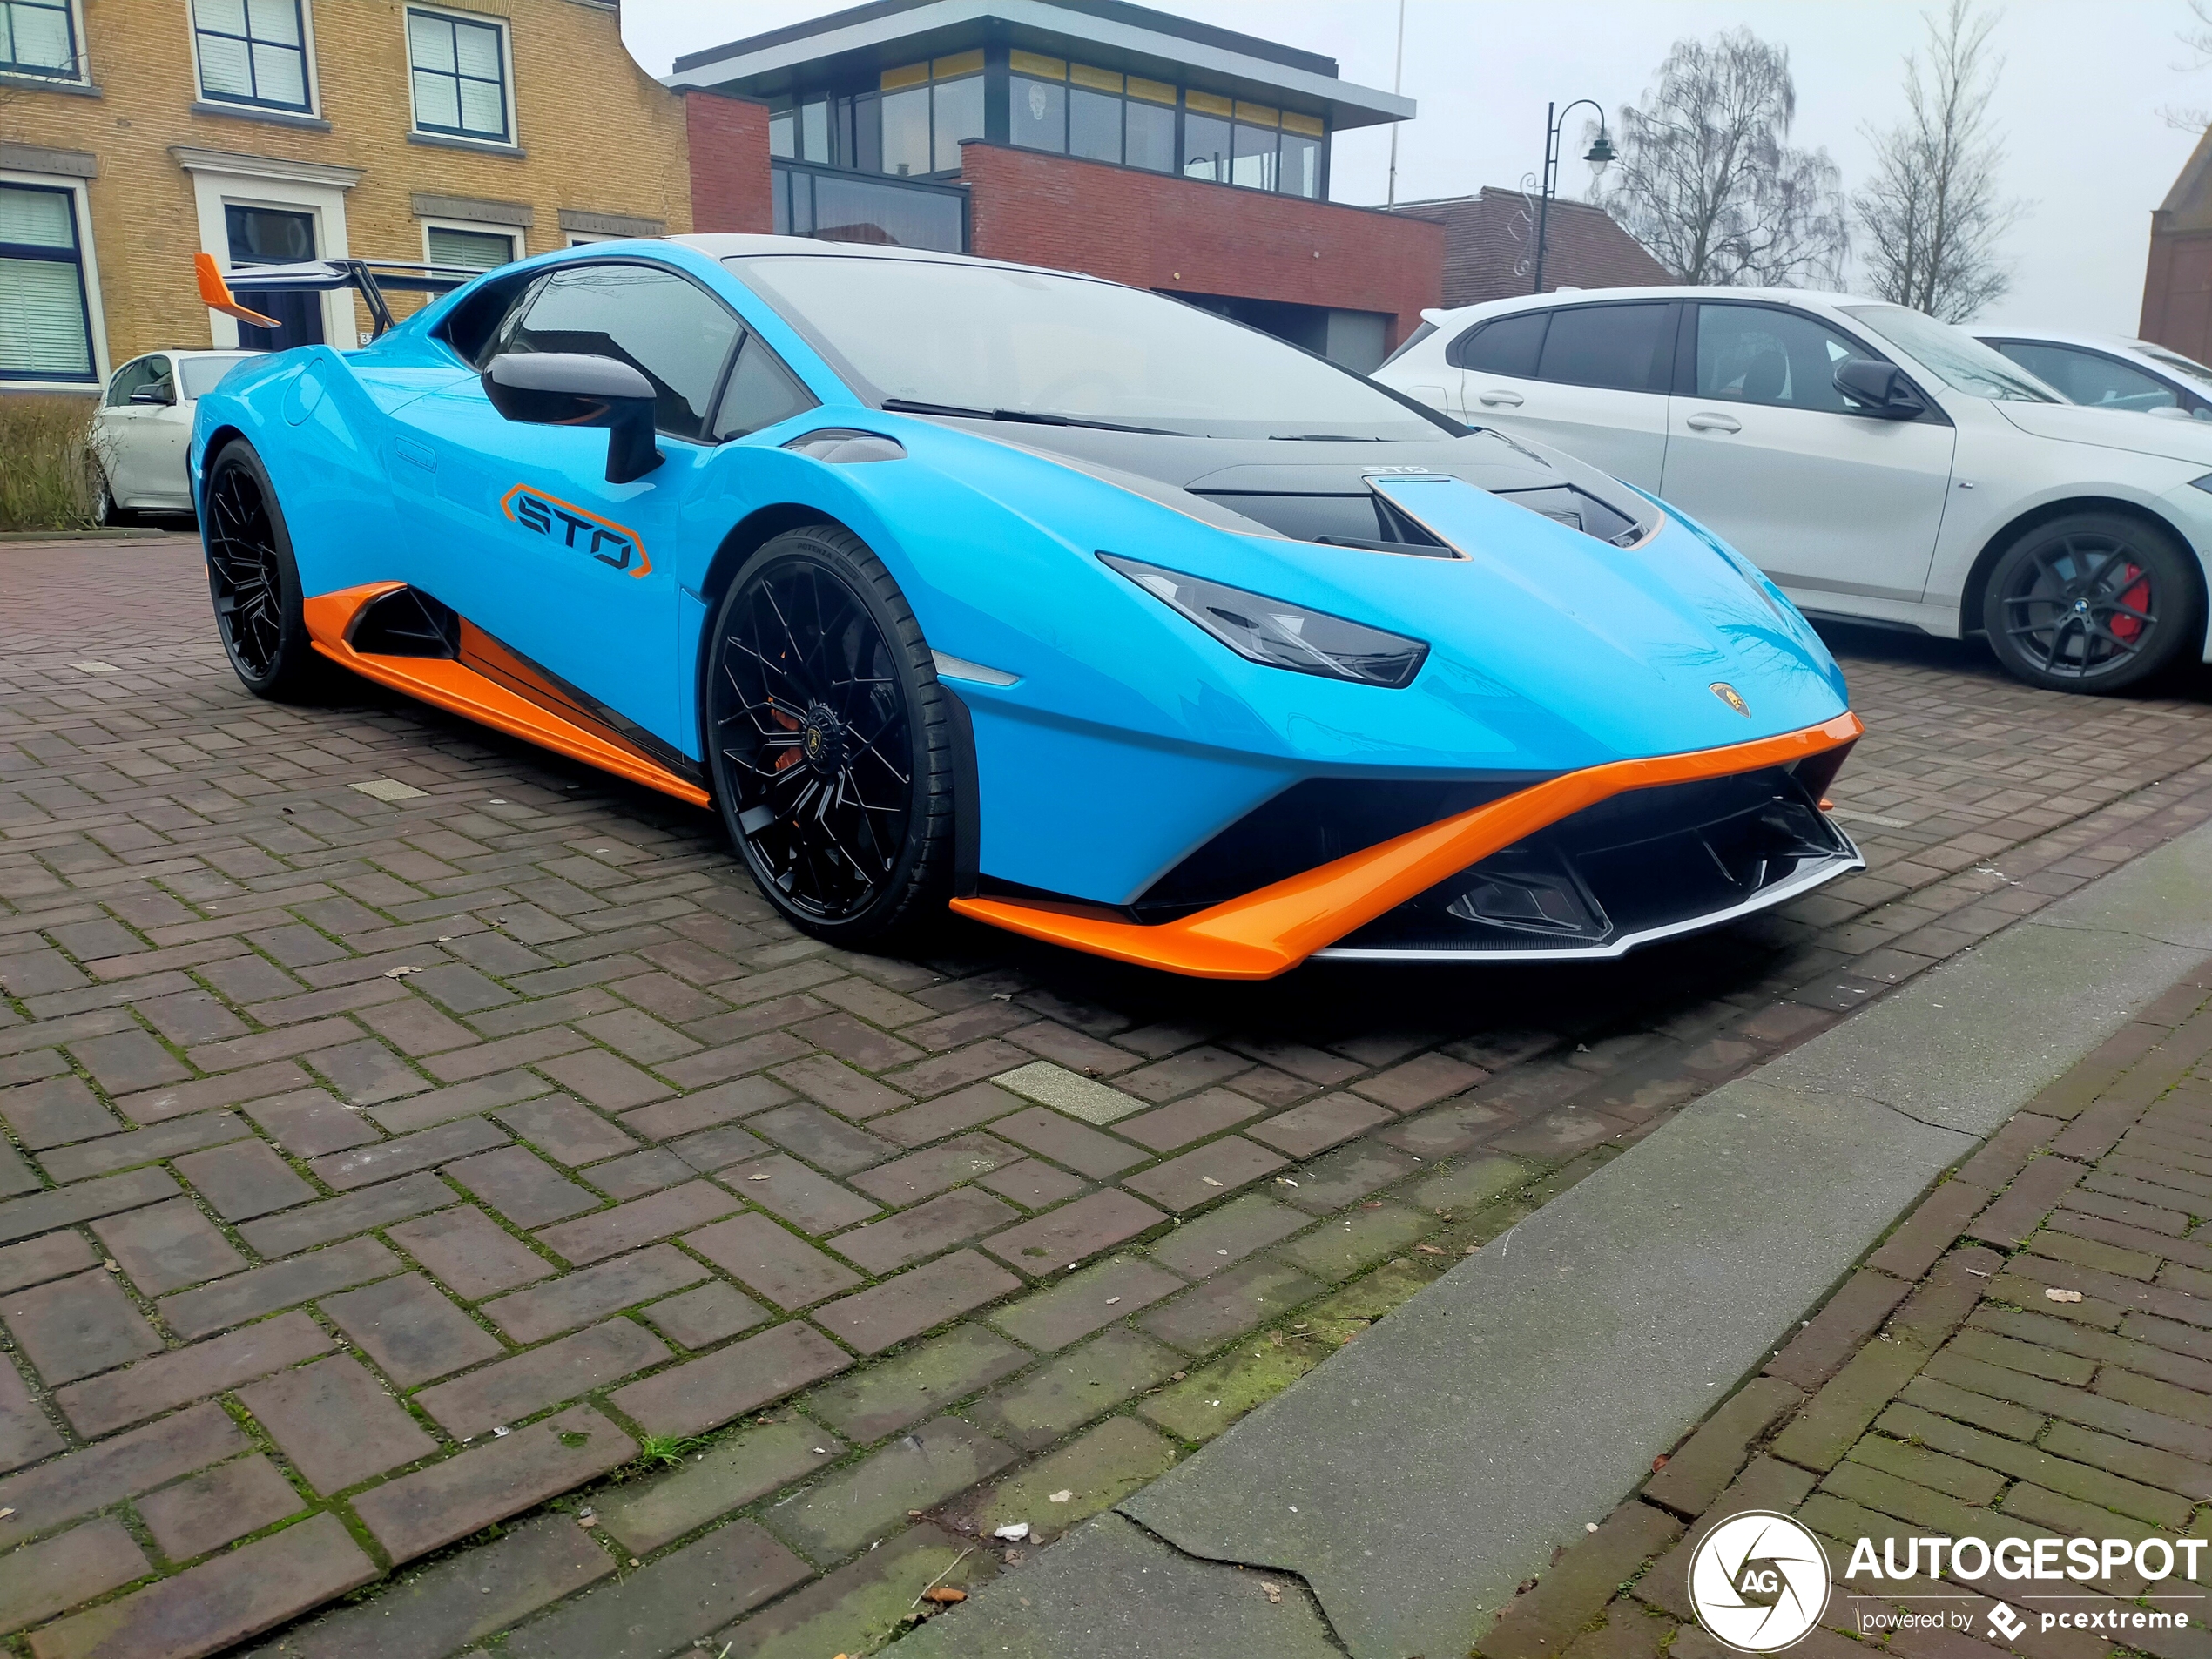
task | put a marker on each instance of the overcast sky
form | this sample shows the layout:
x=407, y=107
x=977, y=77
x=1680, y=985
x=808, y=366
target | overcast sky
x=2083, y=84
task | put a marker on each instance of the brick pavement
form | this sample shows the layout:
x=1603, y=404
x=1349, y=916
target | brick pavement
x=395, y=1180
x=1944, y=1390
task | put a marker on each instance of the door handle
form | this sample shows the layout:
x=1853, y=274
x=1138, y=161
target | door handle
x=1713, y=421
x=1498, y=394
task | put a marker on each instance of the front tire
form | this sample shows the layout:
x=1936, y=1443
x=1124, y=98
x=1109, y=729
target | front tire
x=254, y=580
x=105, y=512
x=830, y=740
x=2092, y=602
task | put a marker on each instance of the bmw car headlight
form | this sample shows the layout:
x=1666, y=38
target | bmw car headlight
x=1279, y=634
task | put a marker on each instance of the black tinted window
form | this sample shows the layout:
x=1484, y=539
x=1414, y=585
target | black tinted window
x=1625, y=348
x=761, y=392
x=1506, y=346
x=676, y=334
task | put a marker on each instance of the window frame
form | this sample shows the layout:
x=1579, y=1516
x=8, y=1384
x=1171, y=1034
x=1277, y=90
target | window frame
x=510, y=137
x=79, y=72
x=303, y=10
x=2186, y=401
x=1685, y=385
x=512, y=233
x=88, y=288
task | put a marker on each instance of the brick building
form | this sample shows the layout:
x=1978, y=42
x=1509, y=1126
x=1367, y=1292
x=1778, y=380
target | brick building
x=2177, y=286
x=1088, y=135
x=136, y=133
x=1490, y=241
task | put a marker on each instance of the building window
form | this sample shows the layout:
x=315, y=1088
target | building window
x=1206, y=137
x=456, y=248
x=38, y=38
x=460, y=75
x=1258, y=136
x=1037, y=102
x=1300, y=172
x=251, y=51
x=45, y=314
x=1149, y=119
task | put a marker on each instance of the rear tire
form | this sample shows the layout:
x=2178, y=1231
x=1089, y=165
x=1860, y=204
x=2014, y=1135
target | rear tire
x=829, y=740
x=2093, y=601
x=105, y=512
x=254, y=580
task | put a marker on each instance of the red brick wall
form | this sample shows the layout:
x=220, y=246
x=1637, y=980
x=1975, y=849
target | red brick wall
x=1155, y=231
x=2177, y=291
x=728, y=140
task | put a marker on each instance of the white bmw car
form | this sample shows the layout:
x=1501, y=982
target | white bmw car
x=142, y=424
x=1882, y=467
x=2108, y=371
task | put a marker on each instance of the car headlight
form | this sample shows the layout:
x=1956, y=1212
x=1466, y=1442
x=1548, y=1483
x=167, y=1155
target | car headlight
x=1279, y=634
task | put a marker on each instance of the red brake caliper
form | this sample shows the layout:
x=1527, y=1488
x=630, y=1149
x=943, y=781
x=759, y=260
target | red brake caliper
x=2136, y=597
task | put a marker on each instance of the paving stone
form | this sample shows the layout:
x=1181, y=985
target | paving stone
x=210, y=1510
x=706, y=1393
x=72, y=1327
x=951, y=1218
x=963, y=1108
x=334, y=1218
x=25, y=1435
x=1819, y=1435
x=1304, y=1130
x=1697, y=1471
x=415, y=1514
x=282, y=1285
x=512, y=1389
x=827, y=1143
x=1082, y=1302
x=521, y=1186
x=221, y=1602
x=307, y=1122
x=424, y=1150
x=745, y=1098
x=1229, y=1234
x=1067, y=1391
x=846, y=1511
x=2073, y=1480
x=649, y=1170
x=579, y=1298
x=701, y=1317
x=1070, y=1092
x=747, y=1465
x=1447, y=1131
x=38, y=1260
x=915, y=1383
x=768, y=1259
x=917, y=1300
x=166, y=1246
x=411, y=1331
x=77, y=1483
x=641, y=1221
x=336, y=1422
x=1567, y=1597
x=1085, y=1151
x=1931, y=1230
x=56, y=1574
x=1060, y=1238
x=662, y=1607
x=862, y=1604
x=243, y=1180
x=54, y=1111
x=479, y=1095
x=923, y=1175
x=113, y=1152
x=129, y=1061
x=1338, y=1249
x=808, y=1200
x=832, y=1083
x=708, y=1149
x=2033, y=1194
x=565, y=1130
x=1209, y=1314
x=1096, y=1471
x=1033, y=1184
x=468, y=1252
x=105, y=1404
x=1343, y=1177
x=1853, y=1313
x=1212, y=1172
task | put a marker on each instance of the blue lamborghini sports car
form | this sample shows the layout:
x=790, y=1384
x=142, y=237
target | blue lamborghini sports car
x=1079, y=609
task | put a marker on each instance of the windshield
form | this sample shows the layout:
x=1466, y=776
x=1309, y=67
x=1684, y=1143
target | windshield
x=201, y=375
x=1953, y=356
x=981, y=339
x=2175, y=361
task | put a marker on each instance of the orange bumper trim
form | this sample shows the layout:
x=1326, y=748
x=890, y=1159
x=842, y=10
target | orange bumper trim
x=1262, y=933
x=455, y=687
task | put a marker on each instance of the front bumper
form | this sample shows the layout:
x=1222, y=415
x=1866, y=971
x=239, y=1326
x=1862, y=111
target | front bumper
x=1677, y=861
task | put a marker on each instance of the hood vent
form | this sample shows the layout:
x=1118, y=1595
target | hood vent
x=1362, y=520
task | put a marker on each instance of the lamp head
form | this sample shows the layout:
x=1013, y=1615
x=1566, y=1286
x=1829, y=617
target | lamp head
x=1600, y=152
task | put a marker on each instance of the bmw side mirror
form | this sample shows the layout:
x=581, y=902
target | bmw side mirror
x=1878, y=389
x=571, y=388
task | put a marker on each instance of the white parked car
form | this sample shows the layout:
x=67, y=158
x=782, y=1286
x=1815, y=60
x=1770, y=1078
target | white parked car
x=1882, y=467
x=143, y=425
x=2108, y=371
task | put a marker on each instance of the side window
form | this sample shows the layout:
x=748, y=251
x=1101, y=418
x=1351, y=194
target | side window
x=761, y=392
x=1763, y=354
x=1623, y=348
x=676, y=334
x=1506, y=346
x=140, y=372
x=2091, y=377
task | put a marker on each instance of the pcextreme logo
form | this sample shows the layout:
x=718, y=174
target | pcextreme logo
x=1761, y=1581
x=603, y=539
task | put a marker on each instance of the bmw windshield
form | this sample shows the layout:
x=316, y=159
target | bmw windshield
x=1952, y=355
x=935, y=338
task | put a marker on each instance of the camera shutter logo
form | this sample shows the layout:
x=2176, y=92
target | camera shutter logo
x=1759, y=1581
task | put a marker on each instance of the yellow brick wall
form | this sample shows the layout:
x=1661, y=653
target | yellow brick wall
x=599, y=136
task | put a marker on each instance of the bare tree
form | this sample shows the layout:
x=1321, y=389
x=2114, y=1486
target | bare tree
x=2198, y=38
x=1708, y=180
x=1932, y=219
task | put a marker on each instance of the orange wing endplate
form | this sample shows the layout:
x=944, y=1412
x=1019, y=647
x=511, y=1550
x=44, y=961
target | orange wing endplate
x=217, y=293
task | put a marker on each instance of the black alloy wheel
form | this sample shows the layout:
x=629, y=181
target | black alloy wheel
x=829, y=738
x=2093, y=601
x=253, y=579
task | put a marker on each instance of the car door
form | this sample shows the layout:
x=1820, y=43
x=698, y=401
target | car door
x=163, y=437
x=1762, y=449
x=124, y=433
x=2097, y=379
x=574, y=574
x=1591, y=379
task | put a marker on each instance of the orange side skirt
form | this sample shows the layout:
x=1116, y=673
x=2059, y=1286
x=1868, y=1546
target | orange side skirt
x=454, y=686
x=1262, y=933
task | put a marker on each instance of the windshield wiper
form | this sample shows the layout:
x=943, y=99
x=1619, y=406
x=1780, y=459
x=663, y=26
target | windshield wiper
x=1320, y=437
x=1030, y=417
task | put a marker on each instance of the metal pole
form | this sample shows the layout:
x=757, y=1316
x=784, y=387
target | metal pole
x=1544, y=197
x=1397, y=79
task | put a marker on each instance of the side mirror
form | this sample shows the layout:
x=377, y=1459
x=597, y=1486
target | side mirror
x=1878, y=389
x=569, y=388
x=157, y=392
x=2171, y=413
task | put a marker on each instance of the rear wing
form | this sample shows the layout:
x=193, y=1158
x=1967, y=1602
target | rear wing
x=368, y=278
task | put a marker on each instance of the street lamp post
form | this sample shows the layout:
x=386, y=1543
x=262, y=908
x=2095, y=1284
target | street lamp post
x=1600, y=153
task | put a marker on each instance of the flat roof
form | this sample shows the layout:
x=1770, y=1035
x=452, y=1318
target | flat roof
x=867, y=39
